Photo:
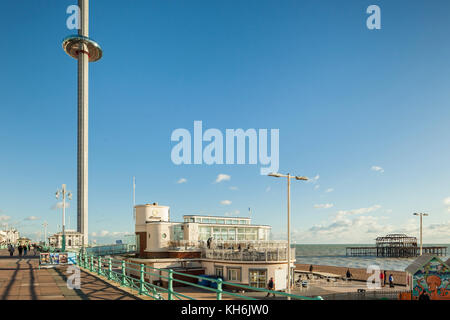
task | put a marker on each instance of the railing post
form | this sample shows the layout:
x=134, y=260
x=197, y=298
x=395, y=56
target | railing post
x=219, y=289
x=123, y=273
x=170, y=286
x=141, y=280
x=99, y=270
x=91, y=266
x=110, y=269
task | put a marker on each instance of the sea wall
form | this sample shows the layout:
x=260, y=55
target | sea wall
x=359, y=274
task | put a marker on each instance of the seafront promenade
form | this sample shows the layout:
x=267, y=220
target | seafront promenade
x=21, y=279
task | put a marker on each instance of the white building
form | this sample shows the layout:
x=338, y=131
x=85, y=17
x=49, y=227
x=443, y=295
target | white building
x=9, y=236
x=74, y=239
x=239, y=252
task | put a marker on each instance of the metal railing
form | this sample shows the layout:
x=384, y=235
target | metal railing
x=111, y=249
x=366, y=295
x=120, y=271
x=263, y=254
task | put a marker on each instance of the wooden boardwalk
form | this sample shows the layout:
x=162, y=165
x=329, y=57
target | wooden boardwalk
x=21, y=279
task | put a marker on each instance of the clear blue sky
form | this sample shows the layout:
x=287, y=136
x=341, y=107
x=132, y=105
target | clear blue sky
x=344, y=98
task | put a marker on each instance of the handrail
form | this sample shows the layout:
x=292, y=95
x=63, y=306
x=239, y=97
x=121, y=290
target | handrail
x=122, y=274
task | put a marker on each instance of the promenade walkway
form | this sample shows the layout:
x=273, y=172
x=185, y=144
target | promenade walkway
x=21, y=279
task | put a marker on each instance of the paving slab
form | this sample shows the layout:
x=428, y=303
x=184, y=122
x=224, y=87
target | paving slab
x=21, y=279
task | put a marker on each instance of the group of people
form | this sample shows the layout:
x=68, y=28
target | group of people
x=22, y=249
x=383, y=278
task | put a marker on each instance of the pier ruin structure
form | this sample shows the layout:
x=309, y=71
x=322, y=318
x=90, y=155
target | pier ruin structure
x=395, y=246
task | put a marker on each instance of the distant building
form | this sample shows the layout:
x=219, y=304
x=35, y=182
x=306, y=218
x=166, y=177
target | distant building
x=74, y=240
x=227, y=247
x=9, y=236
x=430, y=278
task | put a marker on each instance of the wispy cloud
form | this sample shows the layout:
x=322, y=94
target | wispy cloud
x=377, y=169
x=447, y=203
x=5, y=218
x=182, y=180
x=342, y=213
x=329, y=190
x=234, y=213
x=106, y=233
x=222, y=177
x=32, y=218
x=59, y=205
x=234, y=188
x=314, y=180
x=324, y=206
x=268, y=189
x=225, y=202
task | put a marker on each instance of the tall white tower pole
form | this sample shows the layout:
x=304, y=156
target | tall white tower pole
x=83, y=124
x=134, y=198
x=85, y=50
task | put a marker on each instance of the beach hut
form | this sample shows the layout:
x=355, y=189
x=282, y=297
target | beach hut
x=430, y=278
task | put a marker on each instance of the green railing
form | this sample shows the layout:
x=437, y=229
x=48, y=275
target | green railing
x=121, y=271
x=111, y=249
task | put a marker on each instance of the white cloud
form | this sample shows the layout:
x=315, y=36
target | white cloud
x=342, y=213
x=234, y=213
x=349, y=227
x=329, y=190
x=268, y=189
x=316, y=187
x=447, y=203
x=222, y=177
x=233, y=188
x=225, y=202
x=314, y=180
x=182, y=180
x=377, y=168
x=59, y=205
x=106, y=233
x=324, y=206
x=31, y=218
x=4, y=218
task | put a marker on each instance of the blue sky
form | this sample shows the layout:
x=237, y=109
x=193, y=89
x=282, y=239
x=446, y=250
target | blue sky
x=345, y=99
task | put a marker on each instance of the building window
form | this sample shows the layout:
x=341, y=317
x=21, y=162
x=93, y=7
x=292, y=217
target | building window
x=234, y=274
x=177, y=232
x=219, y=272
x=205, y=233
x=258, y=278
x=164, y=235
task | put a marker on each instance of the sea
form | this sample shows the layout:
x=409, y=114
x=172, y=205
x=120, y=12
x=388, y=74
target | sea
x=335, y=255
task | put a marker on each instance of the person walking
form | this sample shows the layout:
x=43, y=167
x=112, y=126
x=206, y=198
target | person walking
x=20, y=248
x=381, y=278
x=348, y=274
x=25, y=248
x=385, y=276
x=391, y=281
x=11, y=249
x=271, y=286
x=34, y=249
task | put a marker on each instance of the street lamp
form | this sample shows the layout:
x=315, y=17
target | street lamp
x=289, y=177
x=45, y=224
x=421, y=215
x=63, y=192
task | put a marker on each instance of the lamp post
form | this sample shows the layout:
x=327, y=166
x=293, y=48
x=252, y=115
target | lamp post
x=63, y=192
x=421, y=215
x=45, y=224
x=289, y=177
